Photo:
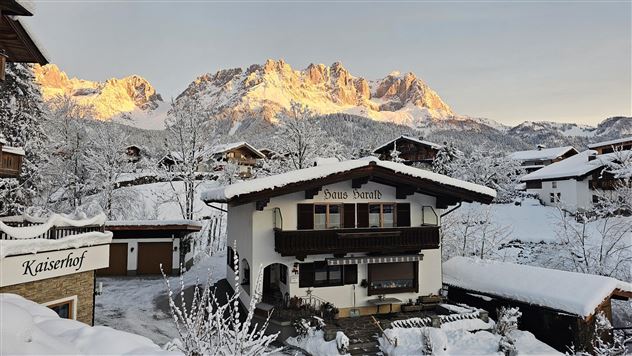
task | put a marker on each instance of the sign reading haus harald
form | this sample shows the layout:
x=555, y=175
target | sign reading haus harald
x=356, y=194
x=33, y=267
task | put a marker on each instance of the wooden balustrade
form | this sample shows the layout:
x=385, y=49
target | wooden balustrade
x=54, y=233
x=341, y=241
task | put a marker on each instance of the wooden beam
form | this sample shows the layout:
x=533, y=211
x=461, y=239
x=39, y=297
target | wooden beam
x=262, y=203
x=310, y=193
x=403, y=191
x=359, y=182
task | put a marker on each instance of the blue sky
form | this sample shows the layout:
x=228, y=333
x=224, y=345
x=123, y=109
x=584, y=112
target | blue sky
x=507, y=61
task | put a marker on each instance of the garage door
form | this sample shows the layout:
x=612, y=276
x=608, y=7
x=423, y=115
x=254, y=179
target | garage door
x=151, y=255
x=118, y=261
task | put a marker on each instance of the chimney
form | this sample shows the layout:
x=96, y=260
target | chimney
x=592, y=156
x=540, y=147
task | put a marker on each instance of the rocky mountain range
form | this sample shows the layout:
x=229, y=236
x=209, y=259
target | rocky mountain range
x=264, y=90
x=260, y=92
x=120, y=99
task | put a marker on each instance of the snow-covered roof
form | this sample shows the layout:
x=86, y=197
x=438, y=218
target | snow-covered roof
x=576, y=293
x=226, y=193
x=611, y=142
x=541, y=154
x=37, y=330
x=147, y=224
x=410, y=138
x=235, y=145
x=14, y=150
x=574, y=166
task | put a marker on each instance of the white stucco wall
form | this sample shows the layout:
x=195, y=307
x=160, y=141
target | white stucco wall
x=574, y=194
x=254, y=232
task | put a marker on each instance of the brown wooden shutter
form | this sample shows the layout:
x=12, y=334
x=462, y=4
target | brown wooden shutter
x=363, y=215
x=349, y=216
x=403, y=214
x=305, y=217
x=306, y=275
x=350, y=274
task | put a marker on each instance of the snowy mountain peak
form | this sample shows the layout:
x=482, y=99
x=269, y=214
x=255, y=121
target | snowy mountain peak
x=129, y=96
x=263, y=90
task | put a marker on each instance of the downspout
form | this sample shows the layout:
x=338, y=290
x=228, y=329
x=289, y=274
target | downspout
x=451, y=210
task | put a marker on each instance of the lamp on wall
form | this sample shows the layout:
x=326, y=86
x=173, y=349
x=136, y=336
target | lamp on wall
x=131, y=249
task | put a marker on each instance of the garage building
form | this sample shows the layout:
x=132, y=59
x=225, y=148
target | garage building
x=140, y=247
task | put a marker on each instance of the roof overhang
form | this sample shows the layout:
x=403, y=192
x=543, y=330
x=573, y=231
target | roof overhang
x=13, y=8
x=389, y=145
x=18, y=45
x=158, y=227
x=405, y=184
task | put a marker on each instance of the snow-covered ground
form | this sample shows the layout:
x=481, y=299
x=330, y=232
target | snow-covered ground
x=454, y=341
x=30, y=328
x=137, y=304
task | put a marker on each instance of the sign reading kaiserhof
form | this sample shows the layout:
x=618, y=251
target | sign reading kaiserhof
x=42, y=265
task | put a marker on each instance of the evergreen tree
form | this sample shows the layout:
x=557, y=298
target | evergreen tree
x=21, y=114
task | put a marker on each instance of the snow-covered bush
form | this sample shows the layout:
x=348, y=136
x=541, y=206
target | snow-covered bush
x=507, y=323
x=210, y=326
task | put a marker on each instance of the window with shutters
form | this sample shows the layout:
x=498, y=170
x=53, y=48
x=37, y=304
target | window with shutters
x=319, y=274
x=381, y=215
x=398, y=277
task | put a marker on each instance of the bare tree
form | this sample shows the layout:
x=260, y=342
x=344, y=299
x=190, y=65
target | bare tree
x=191, y=134
x=300, y=139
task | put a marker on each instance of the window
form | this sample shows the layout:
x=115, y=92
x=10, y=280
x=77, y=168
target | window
x=278, y=219
x=555, y=197
x=398, y=277
x=595, y=199
x=319, y=274
x=66, y=308
x=554, y=184
x=327, y=216
x=381, y=215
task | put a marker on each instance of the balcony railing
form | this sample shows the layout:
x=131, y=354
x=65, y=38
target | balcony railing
x=341, y=241
x=54, y=232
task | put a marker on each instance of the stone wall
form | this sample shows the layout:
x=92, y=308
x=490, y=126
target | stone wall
x=47, y=290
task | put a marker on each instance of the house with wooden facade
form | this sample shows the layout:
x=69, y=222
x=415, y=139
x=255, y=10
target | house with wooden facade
x=558, y=307
x=10, y=160
x=140, y=247
x=242, y=153
x=411, y=150
x=363, y=235
x=532, y=160
x=624, y=143
x=53, y=261
x=16, y=43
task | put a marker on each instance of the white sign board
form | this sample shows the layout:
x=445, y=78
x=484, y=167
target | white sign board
x=42, y=265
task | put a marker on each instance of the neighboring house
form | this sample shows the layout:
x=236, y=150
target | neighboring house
x=212, y=159
x=361, y=234
x=52, y=262
x=16, y=43
x=133, y=153
x=10, y=160
x=573, y=182
x=624, y=143
x=140, y=247
x=532, y=160
x=558, y=307
x=411, y=150
x=243, y=154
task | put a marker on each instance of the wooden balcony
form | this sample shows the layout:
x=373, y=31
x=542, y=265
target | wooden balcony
x=301, y=243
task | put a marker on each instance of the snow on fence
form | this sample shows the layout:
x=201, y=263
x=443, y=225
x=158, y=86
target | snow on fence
x=427, y=321
x=55, y=228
